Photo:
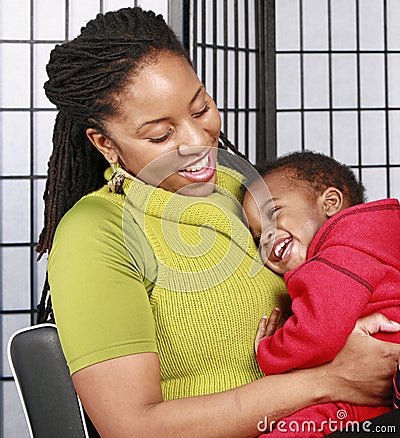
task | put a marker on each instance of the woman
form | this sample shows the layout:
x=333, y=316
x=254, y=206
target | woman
x=155, y=278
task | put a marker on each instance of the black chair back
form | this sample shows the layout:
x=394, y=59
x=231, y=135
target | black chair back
x=51, y=406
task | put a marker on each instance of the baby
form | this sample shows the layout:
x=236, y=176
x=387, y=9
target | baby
x=340, y=258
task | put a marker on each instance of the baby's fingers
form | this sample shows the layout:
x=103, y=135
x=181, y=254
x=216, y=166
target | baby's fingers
x=272, y=323
x=261, y=329
x=260, y=335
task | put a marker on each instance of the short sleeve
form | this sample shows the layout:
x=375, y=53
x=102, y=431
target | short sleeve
x=99, y=293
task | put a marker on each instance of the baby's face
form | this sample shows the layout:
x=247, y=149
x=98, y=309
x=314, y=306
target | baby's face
x=285, y=223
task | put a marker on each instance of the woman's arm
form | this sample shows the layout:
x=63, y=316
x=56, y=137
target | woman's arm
x=123, y=396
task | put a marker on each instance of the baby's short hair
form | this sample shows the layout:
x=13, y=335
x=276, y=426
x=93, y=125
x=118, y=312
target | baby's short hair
x=320, y=171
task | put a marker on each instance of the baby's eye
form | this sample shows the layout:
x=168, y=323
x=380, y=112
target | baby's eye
x=257, y=240
x=272, y=212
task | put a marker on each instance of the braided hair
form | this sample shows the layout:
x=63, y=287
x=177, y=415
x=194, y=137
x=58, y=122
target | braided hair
x=85, y=76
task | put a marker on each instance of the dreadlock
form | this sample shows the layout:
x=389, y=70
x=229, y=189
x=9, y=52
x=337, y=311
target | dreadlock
x=85, y=76
x=320, y=171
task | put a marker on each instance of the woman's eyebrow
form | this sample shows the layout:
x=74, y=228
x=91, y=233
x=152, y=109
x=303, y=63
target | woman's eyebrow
x=196, y=94
x=151, y=122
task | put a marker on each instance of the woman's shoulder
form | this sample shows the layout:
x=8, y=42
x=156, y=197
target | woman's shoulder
x=94, y=221
x=93, y=209
x=95, y=224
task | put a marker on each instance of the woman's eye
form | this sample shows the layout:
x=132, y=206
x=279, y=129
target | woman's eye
x=203, y=111
x=161, y=139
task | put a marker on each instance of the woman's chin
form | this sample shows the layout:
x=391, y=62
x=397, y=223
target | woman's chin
x=198, y=189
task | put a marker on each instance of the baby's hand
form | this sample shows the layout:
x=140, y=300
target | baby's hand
x=268, y=326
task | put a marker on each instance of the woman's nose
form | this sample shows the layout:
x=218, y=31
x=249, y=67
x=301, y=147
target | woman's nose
x=193, y=133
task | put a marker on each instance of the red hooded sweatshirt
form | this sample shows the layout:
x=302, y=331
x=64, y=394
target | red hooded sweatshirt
x=352, y=270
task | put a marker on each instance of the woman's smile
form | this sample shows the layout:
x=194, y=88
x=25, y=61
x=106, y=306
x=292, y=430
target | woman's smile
x=171, y=142
x=202, y=170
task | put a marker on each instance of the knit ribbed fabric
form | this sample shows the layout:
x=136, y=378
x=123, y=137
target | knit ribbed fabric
x=211, y=288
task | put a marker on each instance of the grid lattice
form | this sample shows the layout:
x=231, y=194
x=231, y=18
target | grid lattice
x=338, y=91
x=229, y=42
x=29, y=29
x=338, y=85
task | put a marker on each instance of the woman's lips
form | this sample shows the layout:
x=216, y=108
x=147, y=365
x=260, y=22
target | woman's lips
x=202, y=170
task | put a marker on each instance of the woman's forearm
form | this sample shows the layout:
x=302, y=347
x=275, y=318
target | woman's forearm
x=123, y=396
x=360, y=374
x=242, y=412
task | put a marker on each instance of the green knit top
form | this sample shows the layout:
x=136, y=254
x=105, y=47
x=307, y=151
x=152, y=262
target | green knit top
x=194, y=262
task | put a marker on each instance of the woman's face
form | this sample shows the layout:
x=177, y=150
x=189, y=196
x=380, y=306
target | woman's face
x=168, y=128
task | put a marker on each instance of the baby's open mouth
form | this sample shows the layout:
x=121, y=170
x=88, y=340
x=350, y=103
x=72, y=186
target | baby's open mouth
x=281, y=249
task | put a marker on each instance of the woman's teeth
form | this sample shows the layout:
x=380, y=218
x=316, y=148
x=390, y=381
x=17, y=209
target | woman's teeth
x=199, y=165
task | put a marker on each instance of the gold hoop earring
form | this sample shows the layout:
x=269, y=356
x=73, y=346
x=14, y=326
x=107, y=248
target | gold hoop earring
x=117, y=179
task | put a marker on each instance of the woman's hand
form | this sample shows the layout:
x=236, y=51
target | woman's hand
x=363, y=370
x=123, y=395
x=396, y=388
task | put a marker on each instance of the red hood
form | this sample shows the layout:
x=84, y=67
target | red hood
x=373, y=222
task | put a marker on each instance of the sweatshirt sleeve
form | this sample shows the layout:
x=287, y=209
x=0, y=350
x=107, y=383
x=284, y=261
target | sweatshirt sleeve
x=328, y=298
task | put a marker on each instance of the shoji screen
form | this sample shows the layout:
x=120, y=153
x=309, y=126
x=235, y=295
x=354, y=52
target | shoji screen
x=338, y=85
x=29, y=29
x=232, y=46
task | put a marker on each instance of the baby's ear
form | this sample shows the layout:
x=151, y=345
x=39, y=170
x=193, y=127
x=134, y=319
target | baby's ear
x=333, y=201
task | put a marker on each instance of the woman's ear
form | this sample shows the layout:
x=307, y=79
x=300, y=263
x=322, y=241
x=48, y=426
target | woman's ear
x=333, y=201
x=103, y=144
